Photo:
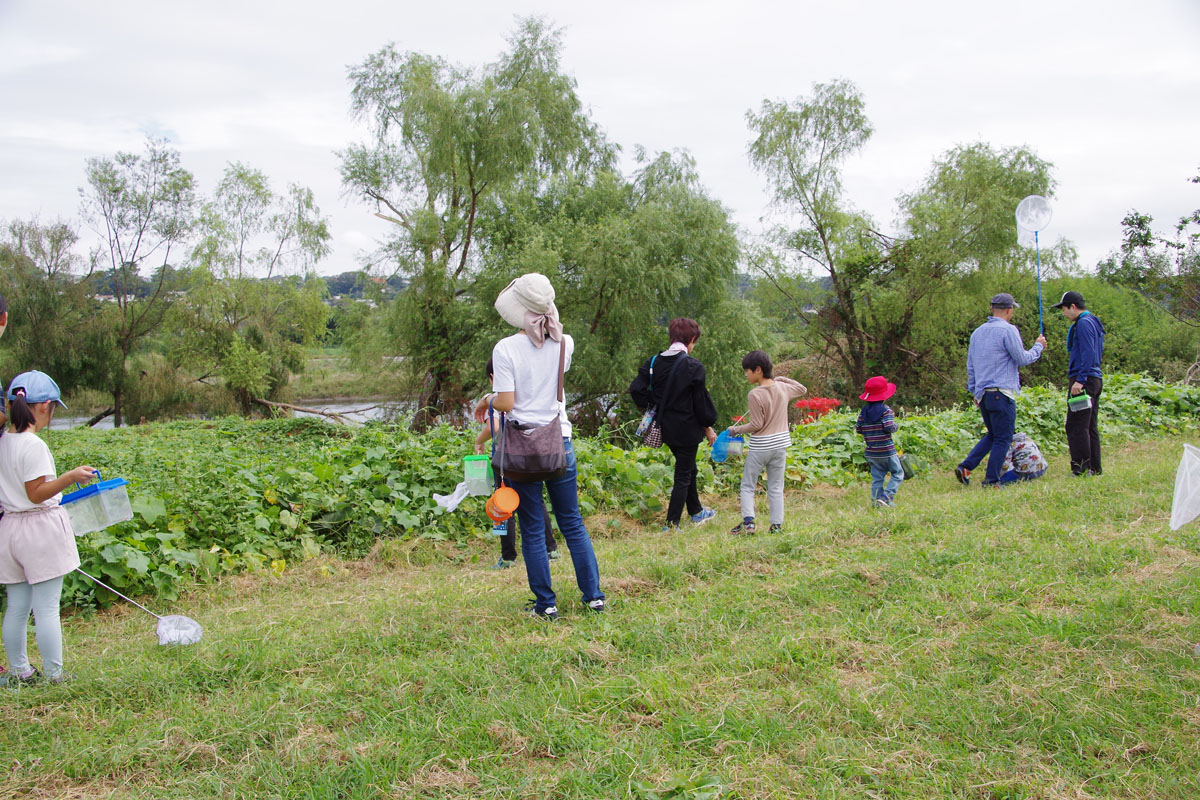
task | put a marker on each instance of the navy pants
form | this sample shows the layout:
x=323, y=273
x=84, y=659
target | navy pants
x=1000, y=418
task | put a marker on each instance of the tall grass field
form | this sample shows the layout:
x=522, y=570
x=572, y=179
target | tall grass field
x=1032, y=642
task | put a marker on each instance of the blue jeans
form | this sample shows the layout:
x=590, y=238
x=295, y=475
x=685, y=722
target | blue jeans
x=881, y=467
x=564, y=498
x=1012, y=476
x=1000, y=418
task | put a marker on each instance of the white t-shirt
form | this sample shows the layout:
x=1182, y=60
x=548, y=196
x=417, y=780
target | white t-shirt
x=23, y=457
x=532, y=374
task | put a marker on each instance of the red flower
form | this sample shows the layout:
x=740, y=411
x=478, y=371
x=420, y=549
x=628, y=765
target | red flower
x=816, y=407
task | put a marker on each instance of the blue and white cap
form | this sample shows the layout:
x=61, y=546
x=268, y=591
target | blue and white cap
x=38, y=388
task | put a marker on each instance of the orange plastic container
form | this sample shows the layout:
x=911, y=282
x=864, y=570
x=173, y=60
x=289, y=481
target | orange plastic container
x=503, y=502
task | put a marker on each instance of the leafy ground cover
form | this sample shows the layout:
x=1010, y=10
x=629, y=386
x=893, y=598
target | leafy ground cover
x=229, y=496
x=1034, y=642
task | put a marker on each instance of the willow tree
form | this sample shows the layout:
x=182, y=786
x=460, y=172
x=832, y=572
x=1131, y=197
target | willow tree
x=799, y=147
x=254, y=301
x=895, y=304
x=143, y=207
x=443, y=140
x=626, y=255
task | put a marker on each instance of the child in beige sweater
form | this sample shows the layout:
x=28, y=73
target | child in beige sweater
x=769, y=437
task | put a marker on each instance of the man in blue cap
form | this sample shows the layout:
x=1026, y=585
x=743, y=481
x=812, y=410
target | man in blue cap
x=1085, y=349
x=994, y=357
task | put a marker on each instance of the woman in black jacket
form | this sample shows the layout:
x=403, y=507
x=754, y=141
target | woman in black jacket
x=685, y=412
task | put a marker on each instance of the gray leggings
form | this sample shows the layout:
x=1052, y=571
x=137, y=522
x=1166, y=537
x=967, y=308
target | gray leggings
x=774, y=461
x=42, y=599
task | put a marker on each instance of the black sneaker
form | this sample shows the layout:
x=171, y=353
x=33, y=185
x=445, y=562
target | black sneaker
x=597, y=606
x=547, y=614
x=777, y=528
x=963, y=475
x=745, y=526
x=14, y=680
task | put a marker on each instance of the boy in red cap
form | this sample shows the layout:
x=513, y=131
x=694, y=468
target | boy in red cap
x=876, y=424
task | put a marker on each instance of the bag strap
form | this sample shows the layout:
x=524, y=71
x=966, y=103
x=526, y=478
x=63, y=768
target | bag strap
x=499, y=441
x=562, y=362
x=652, y=360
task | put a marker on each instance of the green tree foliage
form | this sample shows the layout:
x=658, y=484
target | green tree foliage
x=890, y=305
x=52, y=316
x=1165, y=268
x=626, y=256
x=143, y=206
x=444, y=140
x=1140, y=337
x=958, y=247
x=253, y=302
x=799, y=147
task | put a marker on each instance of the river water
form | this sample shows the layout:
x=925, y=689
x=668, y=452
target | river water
x=354, y=410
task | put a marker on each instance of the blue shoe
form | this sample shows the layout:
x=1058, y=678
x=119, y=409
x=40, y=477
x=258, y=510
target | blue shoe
x=502, y=564
x=704, y=516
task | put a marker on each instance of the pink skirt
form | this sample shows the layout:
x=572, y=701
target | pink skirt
x=36, y=545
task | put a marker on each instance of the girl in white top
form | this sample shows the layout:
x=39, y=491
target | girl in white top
x=37, y=543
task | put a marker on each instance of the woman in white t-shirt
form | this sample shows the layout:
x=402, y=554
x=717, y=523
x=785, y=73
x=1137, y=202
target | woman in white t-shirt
x=526, y=384
x=37, y=543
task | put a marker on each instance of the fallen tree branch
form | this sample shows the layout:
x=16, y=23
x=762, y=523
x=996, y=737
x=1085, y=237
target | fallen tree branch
x=96, y=419
x=333, y=415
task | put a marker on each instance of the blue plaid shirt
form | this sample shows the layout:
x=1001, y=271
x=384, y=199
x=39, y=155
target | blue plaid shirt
x=995, y=355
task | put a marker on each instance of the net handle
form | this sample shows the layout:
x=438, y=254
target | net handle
x=118, y=594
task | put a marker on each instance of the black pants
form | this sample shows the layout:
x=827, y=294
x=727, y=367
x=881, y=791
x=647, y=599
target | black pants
x=1083, y=431
x=508, y=542
x=684, y=490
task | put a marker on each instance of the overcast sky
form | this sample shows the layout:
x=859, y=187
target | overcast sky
x=1107, y=91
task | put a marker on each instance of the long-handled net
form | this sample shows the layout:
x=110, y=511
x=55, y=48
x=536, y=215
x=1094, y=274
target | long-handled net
x=1033, y=215
x=172, y=628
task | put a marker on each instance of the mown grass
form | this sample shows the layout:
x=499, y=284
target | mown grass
x=1028, y=643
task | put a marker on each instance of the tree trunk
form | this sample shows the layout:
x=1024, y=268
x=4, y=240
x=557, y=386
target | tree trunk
x=116, y=409
x=428, y=402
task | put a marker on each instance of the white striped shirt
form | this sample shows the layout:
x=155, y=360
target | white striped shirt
x=770, y=441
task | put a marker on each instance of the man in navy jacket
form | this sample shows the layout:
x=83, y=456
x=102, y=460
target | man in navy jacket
x=1085, y=348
